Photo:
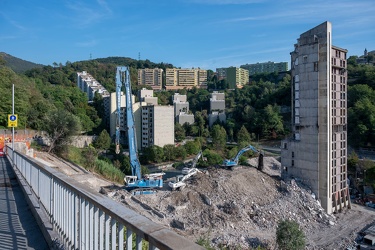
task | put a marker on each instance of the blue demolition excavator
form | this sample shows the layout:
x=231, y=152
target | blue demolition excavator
x=136, y=183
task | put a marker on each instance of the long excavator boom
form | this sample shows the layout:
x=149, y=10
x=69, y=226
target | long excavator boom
x=134, y=181
x=234, y=161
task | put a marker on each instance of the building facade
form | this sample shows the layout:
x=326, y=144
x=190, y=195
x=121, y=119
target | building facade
x=217, y=108
x=181, y=109
x=317, y=152
x=185, y=78
x=266, y=67
x=157, y=125
x=146, y=96
x=89, y=85
x=151, y=77
x=235, y=77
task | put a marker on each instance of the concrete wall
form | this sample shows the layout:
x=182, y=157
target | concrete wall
x=307, y=155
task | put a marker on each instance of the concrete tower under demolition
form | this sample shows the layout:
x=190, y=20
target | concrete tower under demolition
x=317, y=151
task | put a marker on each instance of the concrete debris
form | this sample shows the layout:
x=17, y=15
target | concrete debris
x=238, y=209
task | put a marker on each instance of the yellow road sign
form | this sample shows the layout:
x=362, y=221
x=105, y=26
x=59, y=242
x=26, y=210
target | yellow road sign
x=12, y=120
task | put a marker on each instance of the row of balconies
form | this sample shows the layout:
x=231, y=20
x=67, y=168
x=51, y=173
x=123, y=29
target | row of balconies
x=339, y=120
x=340, y=63
x=339, y=187
x=339, y=87
x=338, y=169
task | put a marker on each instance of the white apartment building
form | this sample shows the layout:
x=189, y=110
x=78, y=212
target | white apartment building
x=157, y=125
x=87, y=84
x=181, y=109
x=317, y=152
x=154, y=124
x=151, y=77
x=217, y=108
x=146, y=96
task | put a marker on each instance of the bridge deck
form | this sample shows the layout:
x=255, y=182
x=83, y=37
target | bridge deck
x=18, y=227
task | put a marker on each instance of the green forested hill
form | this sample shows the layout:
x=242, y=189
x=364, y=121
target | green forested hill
x=257, y=106
x=16, y=64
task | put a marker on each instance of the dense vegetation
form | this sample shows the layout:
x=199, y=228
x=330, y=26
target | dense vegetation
x=257, y=111
x=16, y=64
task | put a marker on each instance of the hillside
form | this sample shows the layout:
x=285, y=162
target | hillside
x=18, y=65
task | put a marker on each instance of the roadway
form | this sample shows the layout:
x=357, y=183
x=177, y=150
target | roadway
x=18, y=227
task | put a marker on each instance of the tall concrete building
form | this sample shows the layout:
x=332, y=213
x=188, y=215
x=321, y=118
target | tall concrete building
x=123, y=128
x=185, y=78
x=317, y=152
x=181, y=109
x=157, y=125
x=235, y=77
x=217, y=108
x=154, y=124
x=151, y=77
x=266, y=67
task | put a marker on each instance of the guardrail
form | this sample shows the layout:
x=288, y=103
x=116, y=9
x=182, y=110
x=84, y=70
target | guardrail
x=88, y=220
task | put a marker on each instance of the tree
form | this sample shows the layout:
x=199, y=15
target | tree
x=272, y=121
x=90, y=155
x=180, y=152
x=179, y=132
x=243, y=136
x=60, y=126
x=154, y=154
x=169, y=152
x=362, y=123
x=192, y=147
x=103, y=141
x=289, y=236
x=219, y=137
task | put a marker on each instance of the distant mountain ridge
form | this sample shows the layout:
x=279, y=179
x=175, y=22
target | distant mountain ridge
x=18, y=65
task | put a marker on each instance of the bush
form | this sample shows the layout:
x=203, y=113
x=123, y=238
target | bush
x=289, y=236
x=109, y=171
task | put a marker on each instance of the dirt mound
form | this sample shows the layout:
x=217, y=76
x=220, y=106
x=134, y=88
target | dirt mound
x=238, y=209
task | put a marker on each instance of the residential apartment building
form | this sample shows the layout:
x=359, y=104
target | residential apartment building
x=151, y=77
x=146, y=96
x=122, y=125
x=89, y=85
x=317, y=152
x=185, y=78
x=157, y=125
x=235, y=77
x=181, y=109
x=266, y=67
x=154, y=124
x=217, y=108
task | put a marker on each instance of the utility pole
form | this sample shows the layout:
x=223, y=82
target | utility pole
x=13, y=126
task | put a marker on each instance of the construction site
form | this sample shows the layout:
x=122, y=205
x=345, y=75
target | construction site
x=235, y=209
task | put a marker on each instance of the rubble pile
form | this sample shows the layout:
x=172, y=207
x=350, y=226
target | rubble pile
x=237, y=209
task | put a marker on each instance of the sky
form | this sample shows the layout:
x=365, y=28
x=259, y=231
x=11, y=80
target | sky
x=208, y=34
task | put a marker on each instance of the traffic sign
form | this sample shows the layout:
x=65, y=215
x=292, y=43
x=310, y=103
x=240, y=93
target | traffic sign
x=12, y=120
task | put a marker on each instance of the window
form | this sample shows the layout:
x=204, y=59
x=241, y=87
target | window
x=292, y=162
x=292, y=153
x=315, y=66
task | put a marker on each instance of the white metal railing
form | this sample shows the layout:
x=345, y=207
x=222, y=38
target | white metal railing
x=88, y=220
